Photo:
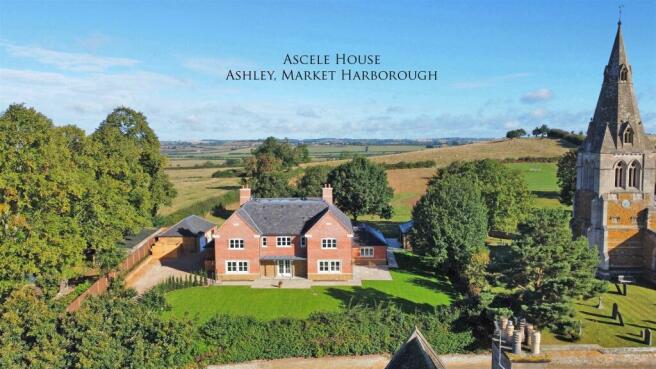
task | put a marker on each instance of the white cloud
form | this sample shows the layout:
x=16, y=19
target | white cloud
x=76, y=62
x=540, y=95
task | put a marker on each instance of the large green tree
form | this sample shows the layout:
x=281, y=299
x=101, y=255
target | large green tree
x=450, y=227
x=550, y=268
x=504, y=191
x=314, y=178
x=288, y=154
x=567, y=177
x=360, y=187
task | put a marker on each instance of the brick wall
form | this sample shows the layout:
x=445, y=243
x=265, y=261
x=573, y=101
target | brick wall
x=329, y=227
x=235, y=227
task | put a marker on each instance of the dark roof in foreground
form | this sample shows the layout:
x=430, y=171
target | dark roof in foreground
x=406, y=227
x=366, y=235
x=131, y=241
x=415, y=353
x=190, y=226
x=288, y=216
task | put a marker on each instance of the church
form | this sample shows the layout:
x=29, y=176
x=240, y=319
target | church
x=614, y=206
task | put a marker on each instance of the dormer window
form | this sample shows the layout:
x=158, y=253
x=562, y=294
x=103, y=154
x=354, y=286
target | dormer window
x=628, y=136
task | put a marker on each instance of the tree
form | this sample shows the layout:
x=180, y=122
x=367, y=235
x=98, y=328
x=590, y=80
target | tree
x=289, y=155
x=541, y=131
x=550, y=269
x=127, y=130
x=310, y=184
x=450, y=227
x=567, y=177
x=504, y=191
x=29, y=335
x=361, y=188
x=515, y=133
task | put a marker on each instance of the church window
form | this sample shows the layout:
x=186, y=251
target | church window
x=615, y=220
x=628, y=135
x=619, y=174
x=634, y=175
x=633, y=220
x=623, y=74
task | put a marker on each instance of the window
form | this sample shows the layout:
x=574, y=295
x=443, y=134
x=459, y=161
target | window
x=303, y=241
x=285, y=241
x=367, y=252
x=634, y=175
x=263, y=241
x=628, y=135
x=619, y=174
x=328, y=243
x=623, y=74
x=615, y=220
x=330, y=266
x=236, y=267
x=236, y=244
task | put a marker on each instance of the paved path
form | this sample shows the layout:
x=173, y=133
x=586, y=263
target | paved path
x=158, y=271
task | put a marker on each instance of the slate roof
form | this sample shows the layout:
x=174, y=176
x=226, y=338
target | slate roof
x=190, y=226
x=288, y=216
x=617, y=108
x=415, y=353
x=366, y=235
x=406, y=227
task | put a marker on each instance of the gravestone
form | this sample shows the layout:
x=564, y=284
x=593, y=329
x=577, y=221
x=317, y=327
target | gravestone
x=599, y=304
x=616, y=310
x=647, y=337
x=619, y=317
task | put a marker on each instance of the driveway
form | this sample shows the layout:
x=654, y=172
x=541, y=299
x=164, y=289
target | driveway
x=157, y=271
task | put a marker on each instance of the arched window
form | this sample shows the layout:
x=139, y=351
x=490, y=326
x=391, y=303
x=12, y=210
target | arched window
x=619, y=174
x=634, y=175
x=623, y=73
x=628, y=135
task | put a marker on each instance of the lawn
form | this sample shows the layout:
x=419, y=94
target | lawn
x=542, y=181
x=410, y=288
x=638, y=309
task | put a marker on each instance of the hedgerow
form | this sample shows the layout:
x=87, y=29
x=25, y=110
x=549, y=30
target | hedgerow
x=358, y=330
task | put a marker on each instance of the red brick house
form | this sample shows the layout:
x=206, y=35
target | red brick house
x=293, y=238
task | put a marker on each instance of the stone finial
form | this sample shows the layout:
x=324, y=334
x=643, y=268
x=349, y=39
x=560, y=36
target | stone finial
x=510, y=330
x=522, y=329
x=503, y=323
x=529, y=334
x=535, y=342
x=517, y=342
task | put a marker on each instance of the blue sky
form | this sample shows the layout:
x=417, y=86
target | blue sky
x=501, y=64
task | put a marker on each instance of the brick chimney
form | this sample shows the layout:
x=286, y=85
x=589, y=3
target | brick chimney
x=327, y=194
x=244, y=195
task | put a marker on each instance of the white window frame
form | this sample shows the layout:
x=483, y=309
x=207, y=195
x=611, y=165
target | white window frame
x=370, y=252
x=287, y=243
x=234, y=241
x=239, y=265
x=329, y=243
x=331, y=264
x=263, y=241
x=303, y=241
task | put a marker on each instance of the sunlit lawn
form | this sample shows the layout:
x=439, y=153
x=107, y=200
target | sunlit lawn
x=410, y=289
x=638, y=309
x=542, y=181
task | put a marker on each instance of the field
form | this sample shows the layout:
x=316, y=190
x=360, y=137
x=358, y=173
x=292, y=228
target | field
x=410, y=288
x=541, y=180
x=638, y=309
x=195, y=185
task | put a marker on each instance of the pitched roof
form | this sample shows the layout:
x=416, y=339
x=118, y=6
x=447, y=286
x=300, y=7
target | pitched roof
x=406, y=227
x=288, y=216
x=617, y=107
x=366, y=235
x=190, y=226
x=415, y=353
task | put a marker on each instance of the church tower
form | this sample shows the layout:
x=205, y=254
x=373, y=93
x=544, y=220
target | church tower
x=616, y=175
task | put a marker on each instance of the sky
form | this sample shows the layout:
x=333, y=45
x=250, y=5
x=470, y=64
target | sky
x=501, y=64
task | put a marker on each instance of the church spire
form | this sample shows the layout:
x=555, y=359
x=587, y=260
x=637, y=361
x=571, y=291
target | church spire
x=616, y=125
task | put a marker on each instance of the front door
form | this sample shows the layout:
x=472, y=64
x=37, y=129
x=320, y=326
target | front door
x=284, y=268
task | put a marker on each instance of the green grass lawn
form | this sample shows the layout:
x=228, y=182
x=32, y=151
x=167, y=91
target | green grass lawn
x=542, y=181
x=638, y=309
x=410, y=288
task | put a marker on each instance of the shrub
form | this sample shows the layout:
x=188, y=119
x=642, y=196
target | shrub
x=356, y=331
x=411, y=165
x=227, y=173
x=201, y=207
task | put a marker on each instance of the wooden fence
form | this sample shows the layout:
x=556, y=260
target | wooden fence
x=100, y=286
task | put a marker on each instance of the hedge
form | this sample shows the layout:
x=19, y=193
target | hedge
x=357, y=331
x=411, y=165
